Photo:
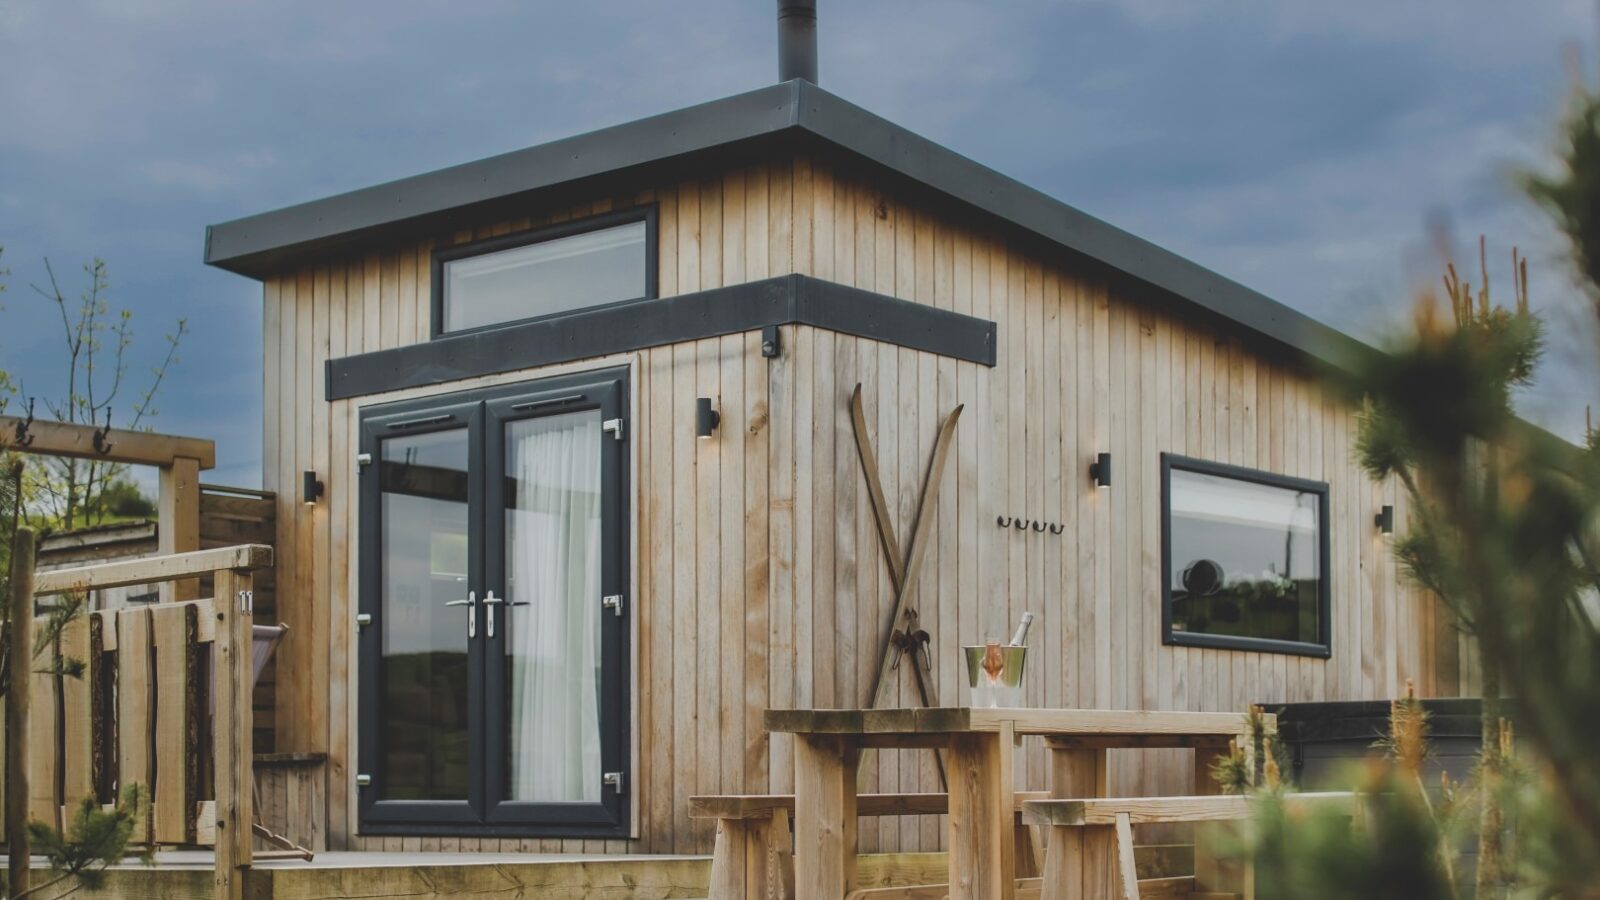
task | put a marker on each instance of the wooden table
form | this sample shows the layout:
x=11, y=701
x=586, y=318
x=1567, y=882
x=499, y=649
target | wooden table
x=979, y=744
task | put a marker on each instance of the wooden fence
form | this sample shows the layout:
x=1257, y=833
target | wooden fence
x=163, y=701
x=229, y=516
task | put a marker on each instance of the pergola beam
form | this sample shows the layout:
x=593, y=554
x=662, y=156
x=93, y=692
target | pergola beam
x=140, y=448
x=180, y=459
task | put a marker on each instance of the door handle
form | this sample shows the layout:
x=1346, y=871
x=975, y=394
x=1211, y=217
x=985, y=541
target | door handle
x=490, y=601
x=471, y=603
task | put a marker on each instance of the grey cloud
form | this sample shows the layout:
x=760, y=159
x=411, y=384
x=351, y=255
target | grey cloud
x=1296, y=147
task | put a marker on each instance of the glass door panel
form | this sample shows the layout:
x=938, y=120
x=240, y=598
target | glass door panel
x=556, y=665
x=424, y=732
x=551, y=686
x=421, y=662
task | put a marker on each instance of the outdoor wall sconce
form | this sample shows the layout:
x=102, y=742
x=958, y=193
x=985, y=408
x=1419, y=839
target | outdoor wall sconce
x=1386, y=519
x=1100, y=470
x=706, y=419
x=310, y=488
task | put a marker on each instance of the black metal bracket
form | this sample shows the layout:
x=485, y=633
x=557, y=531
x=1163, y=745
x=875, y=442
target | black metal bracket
x=771, y=342
x=101, y=445
x=23, y=438
x=913, y=640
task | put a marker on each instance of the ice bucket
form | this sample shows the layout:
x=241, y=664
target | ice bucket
x=994, y=673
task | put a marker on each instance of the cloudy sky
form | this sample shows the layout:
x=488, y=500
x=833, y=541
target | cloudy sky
x=1302, y=148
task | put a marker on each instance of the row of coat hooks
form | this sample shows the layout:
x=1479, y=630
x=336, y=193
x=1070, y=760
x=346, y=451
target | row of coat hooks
x=1099, y=470
x=1022, y=524
x=22, y=428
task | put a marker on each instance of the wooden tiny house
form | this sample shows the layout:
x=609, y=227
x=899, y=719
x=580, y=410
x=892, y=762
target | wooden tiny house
x=538, y=598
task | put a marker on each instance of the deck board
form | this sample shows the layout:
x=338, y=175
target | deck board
x=186, y=875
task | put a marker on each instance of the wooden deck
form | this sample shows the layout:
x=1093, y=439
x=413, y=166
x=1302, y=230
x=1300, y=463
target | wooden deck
x=186, y=875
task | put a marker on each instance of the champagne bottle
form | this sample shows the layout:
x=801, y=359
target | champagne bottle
x=1021, y=637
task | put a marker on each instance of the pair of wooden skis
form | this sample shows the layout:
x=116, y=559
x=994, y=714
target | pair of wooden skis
x=904, y=636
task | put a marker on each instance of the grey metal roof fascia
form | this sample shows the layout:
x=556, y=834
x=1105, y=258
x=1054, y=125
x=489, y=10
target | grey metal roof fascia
x=248, y=244
x=839, y=122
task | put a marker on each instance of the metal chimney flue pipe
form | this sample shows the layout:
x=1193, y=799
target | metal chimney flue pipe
x=797, y=40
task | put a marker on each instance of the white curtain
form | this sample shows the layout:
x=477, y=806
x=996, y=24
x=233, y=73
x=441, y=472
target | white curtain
x=553, y=644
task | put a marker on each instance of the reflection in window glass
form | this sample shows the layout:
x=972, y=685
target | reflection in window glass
x=423, y=739
x=1246, y=558
x=601, y=266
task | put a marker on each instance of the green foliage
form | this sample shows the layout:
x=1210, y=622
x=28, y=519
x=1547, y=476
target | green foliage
x=1406, y=841
x=121, y=499
x=1446, y=379
x=1391, y=856
x=1571, y=195
x=1406, y=743
x=1499, y=532
x=67, y=493
x=1235, y=773
x=1260, y=765
x=7, y=387
x=94, y=838
x=10, y=512
x=1504, y=528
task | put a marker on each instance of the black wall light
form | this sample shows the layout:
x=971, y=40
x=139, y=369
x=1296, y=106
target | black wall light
x=1385, y=519
x=706, y=419
x=1100, y=470
x=310, y=487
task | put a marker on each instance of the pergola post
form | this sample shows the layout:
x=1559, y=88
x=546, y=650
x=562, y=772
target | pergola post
x=19, y=661
x=178, y=518
x=231, y=742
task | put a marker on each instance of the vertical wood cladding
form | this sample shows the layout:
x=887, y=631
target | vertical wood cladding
x=758, y=573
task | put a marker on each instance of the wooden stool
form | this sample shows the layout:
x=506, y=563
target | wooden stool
x=753, y=857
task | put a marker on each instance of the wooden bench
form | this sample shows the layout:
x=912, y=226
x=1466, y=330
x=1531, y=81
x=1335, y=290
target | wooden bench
x=752, y=855
x=1090, y=845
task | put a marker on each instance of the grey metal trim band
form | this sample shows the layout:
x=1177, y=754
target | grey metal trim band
x=785, y=300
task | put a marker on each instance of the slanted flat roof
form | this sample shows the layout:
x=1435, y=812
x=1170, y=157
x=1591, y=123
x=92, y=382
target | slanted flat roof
x=795, y=113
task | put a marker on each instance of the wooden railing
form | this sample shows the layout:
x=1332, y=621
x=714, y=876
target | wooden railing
x=229, y=516
x=162, y=684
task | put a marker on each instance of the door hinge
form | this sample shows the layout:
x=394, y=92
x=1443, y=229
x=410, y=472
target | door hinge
x=612, y=602
x=614, y=426
x=363, y=780
x=615, y=781
x=363, y=459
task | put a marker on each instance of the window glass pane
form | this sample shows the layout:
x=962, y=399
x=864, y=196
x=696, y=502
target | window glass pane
x=1246, y=558
x=424, y=741
x=551, y=276
x=553, y=592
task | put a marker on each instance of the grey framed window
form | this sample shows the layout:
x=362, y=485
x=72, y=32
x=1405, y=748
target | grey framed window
x=599, y=260
x=1244, y=556
x=493, y=665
